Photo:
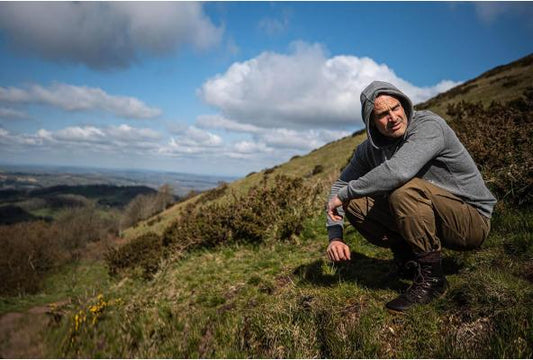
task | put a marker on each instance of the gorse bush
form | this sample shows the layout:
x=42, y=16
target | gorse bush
x=215, y=193
x=274, y=210
x=271, y=210
x=143, y=251
x=500, y=139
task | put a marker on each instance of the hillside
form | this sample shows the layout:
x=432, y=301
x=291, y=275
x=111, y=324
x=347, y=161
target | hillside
x=503, y=83
x=244, y=281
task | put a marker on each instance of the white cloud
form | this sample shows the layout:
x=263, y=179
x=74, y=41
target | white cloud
x=302, y=89
x=79, y=134
x=193, y=136
x=79, y=98
x=300, y=140
x=110, y=139
x=273, y=137
x=106, y=35
x=220, y=122
x=8, y=113
x=251, y=147
x=192, y=141
x=130, y=134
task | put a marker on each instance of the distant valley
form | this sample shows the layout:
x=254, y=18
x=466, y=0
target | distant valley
x=27, y=177
x=29, y=193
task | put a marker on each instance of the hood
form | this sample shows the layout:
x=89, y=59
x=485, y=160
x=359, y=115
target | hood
x=368, y=96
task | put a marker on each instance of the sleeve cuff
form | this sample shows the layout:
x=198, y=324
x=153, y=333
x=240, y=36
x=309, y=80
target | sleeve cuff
x=335, y=232
x=343, y=194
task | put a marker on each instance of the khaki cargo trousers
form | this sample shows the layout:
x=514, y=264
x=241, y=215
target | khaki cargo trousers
x=420, y=215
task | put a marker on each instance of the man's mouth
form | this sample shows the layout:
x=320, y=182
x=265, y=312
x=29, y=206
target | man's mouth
x=396, y=126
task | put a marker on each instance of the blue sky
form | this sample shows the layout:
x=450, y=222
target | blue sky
x=226, y=88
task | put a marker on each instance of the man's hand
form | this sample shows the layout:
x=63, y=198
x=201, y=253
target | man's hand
x=333, y=204
x=338, y=251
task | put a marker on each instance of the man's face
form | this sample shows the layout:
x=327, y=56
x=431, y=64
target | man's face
x=389, y=116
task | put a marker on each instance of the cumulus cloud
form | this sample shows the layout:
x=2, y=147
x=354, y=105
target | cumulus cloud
x=251, y=147
x=192, y=136
x=220, y=122
x=304, y=88
x=190, y=140
x=110, y=139
x=300, y=140
x=105, y=35
x=296, y=139
x=79, y=98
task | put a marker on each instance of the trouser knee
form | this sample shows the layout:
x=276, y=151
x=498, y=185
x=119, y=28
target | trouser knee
x=408, y=199
x=413, y=212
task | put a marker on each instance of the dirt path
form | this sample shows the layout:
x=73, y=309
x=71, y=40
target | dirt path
x=21, y=334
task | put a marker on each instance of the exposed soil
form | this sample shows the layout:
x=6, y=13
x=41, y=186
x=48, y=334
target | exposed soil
x=21, y=334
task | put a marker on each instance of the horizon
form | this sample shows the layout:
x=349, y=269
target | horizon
x=81, y=168
x=223, y=89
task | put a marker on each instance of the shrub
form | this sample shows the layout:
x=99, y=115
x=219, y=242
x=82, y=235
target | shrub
x=499, y=138
x=143, y=251
x=270, y=170
x=271, y=210
x=29, y=250
x=215, y=193
x=318, y=169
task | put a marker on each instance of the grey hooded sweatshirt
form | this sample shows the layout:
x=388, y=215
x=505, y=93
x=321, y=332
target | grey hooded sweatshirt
x=429, y=150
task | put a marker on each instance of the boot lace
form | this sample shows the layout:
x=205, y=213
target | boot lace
x=421, y=282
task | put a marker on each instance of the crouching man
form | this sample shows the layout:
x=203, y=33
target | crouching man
x=411, y=186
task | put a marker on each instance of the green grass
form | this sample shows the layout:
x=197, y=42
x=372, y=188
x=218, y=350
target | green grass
x=76, y=280
x=285, y=300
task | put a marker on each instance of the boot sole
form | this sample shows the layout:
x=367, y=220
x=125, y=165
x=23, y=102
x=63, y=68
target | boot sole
x=403, y=312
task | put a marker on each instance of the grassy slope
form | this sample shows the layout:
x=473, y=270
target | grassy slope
x=285, y=300
x=502, y=83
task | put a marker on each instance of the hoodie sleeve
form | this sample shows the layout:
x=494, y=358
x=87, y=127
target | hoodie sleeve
x=357, y=167
x=421, y=145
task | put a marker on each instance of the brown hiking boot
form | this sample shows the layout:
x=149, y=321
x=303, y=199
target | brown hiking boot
x=429, y=283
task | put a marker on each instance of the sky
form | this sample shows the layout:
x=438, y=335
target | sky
x=226, y=88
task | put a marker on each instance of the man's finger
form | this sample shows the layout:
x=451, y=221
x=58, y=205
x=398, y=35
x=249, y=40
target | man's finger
x=332, y=216
x=330, y=254
x=340, y=253
x=333, y=254
x=347, y=252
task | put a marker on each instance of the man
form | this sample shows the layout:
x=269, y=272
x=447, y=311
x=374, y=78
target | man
x=411, y=186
